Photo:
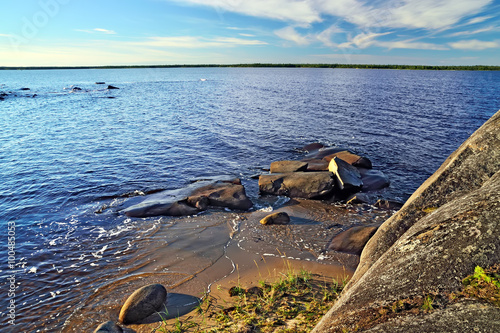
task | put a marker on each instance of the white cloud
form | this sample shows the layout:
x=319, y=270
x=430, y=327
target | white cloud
x=106, y=31
x=472, y=32
x=290, y=34
x=421, y=14
x=97, y=30
x=362, y=40
x=411, y=45
x=299, y=11
x=475, y=45
x=193, y=42
x=479, y=19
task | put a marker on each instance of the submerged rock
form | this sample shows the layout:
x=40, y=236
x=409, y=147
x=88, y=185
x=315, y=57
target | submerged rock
x=313, y=147
x=288, y=166
x=142, y=303
x=108, y=327
x=112, y=87
x=308, y=185
x=276, y=218
x=348, y=176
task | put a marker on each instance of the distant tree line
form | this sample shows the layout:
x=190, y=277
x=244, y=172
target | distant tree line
x=363, y=66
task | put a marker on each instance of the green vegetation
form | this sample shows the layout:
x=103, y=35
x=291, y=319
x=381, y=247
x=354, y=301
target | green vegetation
x=483, y=284
x=293, y=303
x=358, y=66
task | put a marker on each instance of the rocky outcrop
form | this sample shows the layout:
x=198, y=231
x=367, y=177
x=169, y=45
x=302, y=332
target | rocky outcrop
x=450, y=225
x=307, y=185
x=222, y=194
x=276, y=218
x=352, y=159
x=142, y=303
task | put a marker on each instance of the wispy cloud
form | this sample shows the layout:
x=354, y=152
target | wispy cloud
x=97, y=30
x=479, y=19
x=474, y=44
x=290, y=34
x=192, y=42
x=472, y=32
x=362, y=40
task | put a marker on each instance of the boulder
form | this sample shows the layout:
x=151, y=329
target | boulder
x=25, y=89
x=288, y=166
x=450, y=225
x=112, y=87
x=108, y=327
x=100, y=82
x=315, y=164
x=388, y=204
x=358, y=198
x=142, y=303
x=226, y=195
x=373, y=180
x=352, y=240
x=324, y=152
x=196, y=197
x=307, y=185
x=348, y=177
x=313, y=147
x=352, y=159
x=276, y=218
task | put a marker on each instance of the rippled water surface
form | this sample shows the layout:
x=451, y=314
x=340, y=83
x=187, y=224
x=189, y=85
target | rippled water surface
x=65, y=154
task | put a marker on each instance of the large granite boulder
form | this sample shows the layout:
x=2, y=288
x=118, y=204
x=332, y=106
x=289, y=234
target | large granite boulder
x=308, y=185
x=142, y=303
x=276, y=218
x=373, y=180
x=450, y=225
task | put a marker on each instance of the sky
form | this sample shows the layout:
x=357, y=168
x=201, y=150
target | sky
x=156, y=32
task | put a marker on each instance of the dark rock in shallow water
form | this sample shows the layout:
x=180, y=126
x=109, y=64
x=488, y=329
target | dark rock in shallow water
x=358, y=198
x=324, y=152
x=388, y=204
x=112, y=87
x=193, y=199
x=100, y=82
x=288, y=166
x=308, y=185
x=276, y=218
x=226, y=195
x=25, y=89
x=352, y=240
x=348, y=176
x=313, y=146
x=142, y=303
x=108, y=327
x=373, y=180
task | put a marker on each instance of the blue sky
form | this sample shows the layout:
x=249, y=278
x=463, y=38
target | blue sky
x=125, y=32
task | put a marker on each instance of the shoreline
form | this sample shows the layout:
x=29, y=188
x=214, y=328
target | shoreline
x=266, y=65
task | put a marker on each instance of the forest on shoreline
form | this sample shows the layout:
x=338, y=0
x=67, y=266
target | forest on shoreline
x=356, y=66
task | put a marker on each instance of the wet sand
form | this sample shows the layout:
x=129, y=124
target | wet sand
x=214, y=251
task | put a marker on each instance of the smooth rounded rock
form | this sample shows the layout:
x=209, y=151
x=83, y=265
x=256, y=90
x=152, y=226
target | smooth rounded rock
x=108, y=327
x=276, y=218
x=353, y=239
x=288, y=166
x=142, y=303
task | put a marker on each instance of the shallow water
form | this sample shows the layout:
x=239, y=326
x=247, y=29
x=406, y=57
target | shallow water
x=64, y=155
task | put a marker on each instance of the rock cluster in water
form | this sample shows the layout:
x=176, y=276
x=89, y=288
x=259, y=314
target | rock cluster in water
x=417, y=260
x=326, y=173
